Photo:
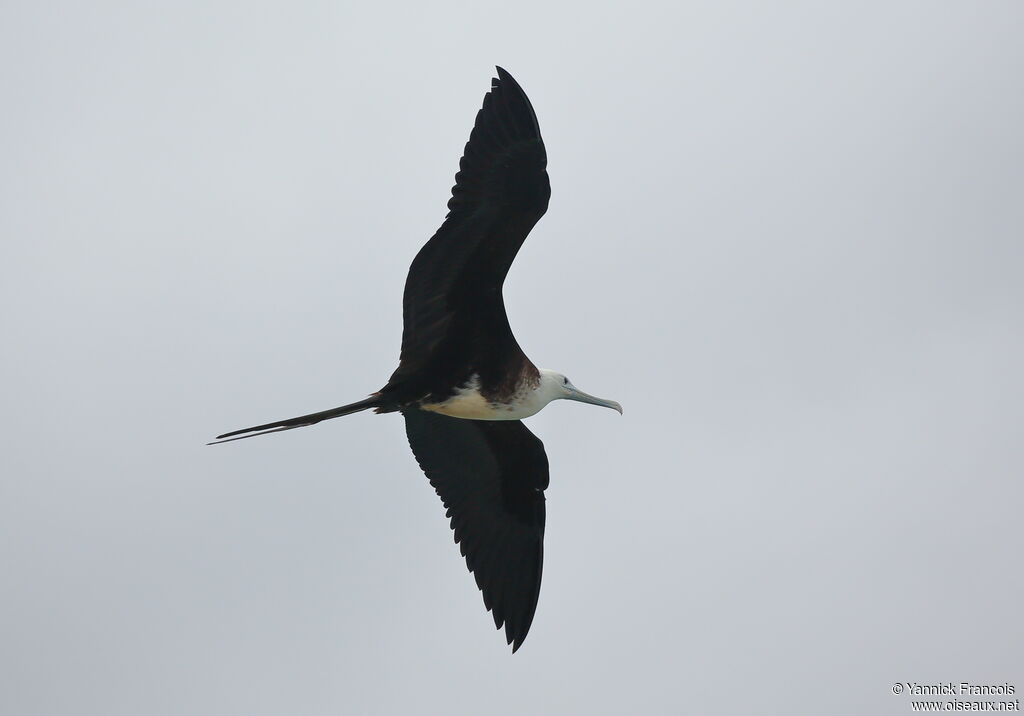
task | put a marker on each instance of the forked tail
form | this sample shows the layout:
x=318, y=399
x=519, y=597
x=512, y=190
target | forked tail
x=300, y=422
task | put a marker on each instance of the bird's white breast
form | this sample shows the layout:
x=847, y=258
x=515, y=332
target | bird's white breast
x=470, y=404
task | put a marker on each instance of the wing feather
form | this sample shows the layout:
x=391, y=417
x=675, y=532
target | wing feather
x=491, y=477
x=501, y=190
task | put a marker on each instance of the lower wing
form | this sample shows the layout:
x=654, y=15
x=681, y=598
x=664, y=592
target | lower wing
x=491, y=476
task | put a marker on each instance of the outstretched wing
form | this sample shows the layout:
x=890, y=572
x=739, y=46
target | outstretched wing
x=500, y=192
x=491, y=476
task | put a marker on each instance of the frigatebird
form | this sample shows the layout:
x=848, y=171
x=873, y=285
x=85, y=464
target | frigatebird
x=463, y=384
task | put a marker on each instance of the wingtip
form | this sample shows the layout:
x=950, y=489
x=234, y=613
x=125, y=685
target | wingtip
x=503, y=75
x=511, y=640
x=515, y=640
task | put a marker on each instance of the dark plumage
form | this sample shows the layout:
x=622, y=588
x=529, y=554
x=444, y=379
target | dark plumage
x=459, y=358
x=455, y=322
x=491, y=475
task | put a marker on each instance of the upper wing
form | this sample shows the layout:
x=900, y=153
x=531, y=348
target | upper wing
x=491, y=475
x=500, y=192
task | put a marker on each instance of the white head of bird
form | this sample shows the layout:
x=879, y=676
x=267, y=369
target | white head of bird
x=555, y=386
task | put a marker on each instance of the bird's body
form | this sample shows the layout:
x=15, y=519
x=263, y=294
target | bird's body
x=470, y=402
x=526, y=397
x=463, y=383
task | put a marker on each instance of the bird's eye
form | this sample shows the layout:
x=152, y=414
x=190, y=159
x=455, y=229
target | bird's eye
x=565, y=381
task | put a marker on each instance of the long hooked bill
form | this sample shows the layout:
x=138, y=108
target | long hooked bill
x=577, y=394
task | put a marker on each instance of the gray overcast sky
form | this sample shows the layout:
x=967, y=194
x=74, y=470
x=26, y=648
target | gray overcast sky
x=787, y=237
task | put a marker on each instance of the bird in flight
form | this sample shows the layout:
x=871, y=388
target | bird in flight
x=463, y=384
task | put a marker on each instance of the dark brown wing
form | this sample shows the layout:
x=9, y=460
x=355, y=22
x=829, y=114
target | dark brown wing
x=491, y=475
x=500, y=192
